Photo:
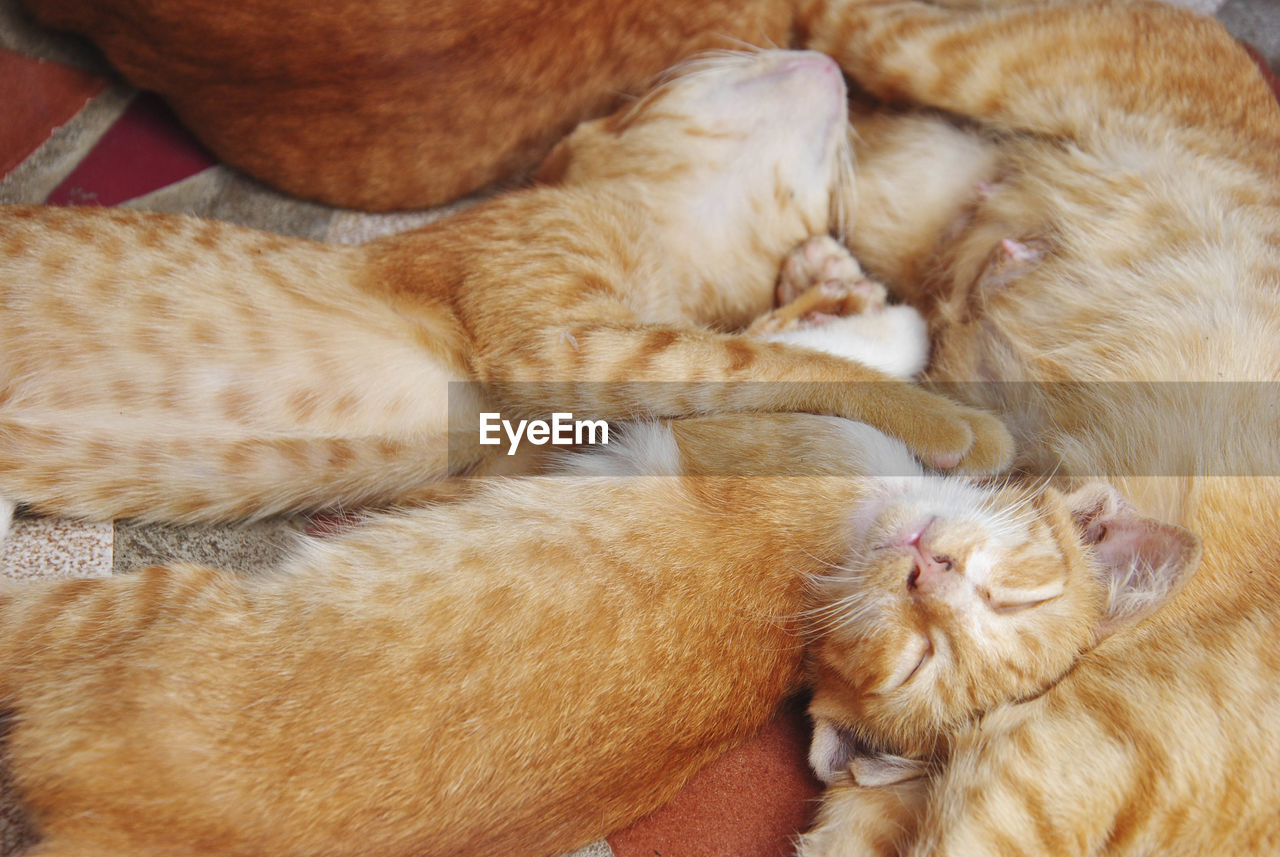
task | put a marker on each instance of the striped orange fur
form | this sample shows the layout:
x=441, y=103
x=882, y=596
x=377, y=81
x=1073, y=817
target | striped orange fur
x=180, y=369
x=1108, y=213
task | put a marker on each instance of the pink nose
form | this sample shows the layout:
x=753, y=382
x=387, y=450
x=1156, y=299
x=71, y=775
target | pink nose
x=928, y=571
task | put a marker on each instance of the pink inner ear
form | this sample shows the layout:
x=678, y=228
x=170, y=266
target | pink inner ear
x=1146, y=561
x=1121, y=541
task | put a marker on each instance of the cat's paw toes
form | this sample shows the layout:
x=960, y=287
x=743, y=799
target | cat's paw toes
x=822, y=304
x=820, y=259
x=825, y=300
x=855, y=297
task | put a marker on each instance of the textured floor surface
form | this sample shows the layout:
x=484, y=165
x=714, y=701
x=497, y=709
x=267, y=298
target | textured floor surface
x=72, y=134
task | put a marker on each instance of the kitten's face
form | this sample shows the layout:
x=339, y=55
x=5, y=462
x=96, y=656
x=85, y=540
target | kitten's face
x=957, y=599
x=729, y=135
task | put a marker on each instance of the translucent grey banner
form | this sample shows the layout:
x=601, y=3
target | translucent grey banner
x=1083, y=429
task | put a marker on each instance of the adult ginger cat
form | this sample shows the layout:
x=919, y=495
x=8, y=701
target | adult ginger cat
x=1099, y=235
x=520, y=671
x=383, y=104
x=177, y=369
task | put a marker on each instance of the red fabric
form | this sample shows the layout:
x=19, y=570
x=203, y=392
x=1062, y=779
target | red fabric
x=750, y=803
x=38, y=97
x=145, y=150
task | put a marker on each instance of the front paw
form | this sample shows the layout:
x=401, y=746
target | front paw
x=945, y=435
x=992, y=449
x=820, y=281
x=821, y=305
x=820, y=259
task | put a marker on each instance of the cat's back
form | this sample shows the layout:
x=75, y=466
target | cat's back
x=198, y=309
x=327, y=102
x=544, y=627
x=208, y=370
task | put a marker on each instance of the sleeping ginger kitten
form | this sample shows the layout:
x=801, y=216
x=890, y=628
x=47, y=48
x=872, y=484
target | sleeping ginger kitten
x=938, y=620
x=178, y=369
x=1102, y=229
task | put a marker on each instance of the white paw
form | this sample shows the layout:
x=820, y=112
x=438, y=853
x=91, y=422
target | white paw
x=894, y=340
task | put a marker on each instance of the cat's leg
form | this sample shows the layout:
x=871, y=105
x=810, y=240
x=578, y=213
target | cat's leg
x=824, y=301
x=1063, y=69
x=678, y=372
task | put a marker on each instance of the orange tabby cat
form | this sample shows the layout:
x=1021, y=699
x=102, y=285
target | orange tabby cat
x=385, y=104
x=1107, y=213
x=937, y=619
x=518, y=672
x=382, y=104
x=179, y=369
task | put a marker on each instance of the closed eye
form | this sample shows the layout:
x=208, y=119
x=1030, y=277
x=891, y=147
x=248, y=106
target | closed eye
x=911, y=662
x=924, y=658
x=1006, y=607
x=1006, y=601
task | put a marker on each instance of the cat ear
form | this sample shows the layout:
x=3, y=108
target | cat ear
x=555, y=164
x=1144, y=561
x=836, y=756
